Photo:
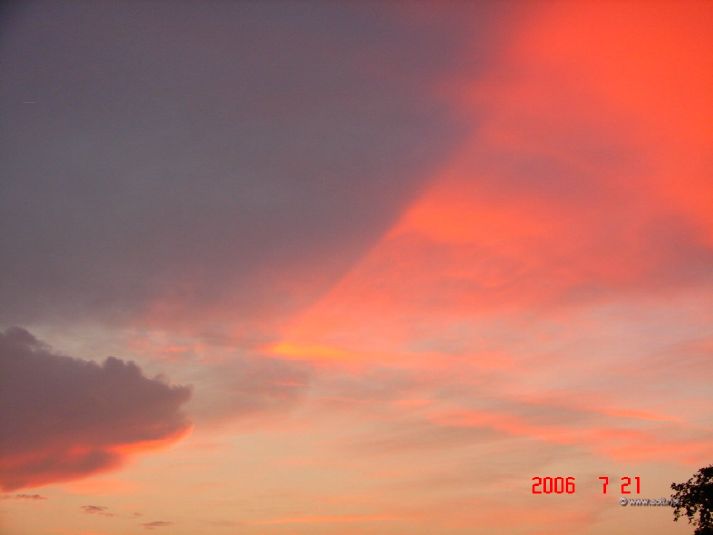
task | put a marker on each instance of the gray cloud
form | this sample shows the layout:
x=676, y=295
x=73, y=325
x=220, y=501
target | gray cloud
x=156, y=524
x=202, y=156
x=64, y=418
x=96, y=510
x=32, y=497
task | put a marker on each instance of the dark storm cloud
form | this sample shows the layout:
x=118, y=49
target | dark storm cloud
x=63, y=418
x=203, y=153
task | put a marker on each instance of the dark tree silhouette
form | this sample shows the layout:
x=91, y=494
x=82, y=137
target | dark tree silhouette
x=695, y=497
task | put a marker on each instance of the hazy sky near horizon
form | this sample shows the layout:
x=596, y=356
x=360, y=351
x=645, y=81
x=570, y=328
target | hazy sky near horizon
x=355, y=268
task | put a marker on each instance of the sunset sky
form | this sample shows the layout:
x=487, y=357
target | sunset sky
x=353, y=268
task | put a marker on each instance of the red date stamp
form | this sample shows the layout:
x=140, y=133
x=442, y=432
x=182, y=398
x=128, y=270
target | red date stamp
x=567, y=485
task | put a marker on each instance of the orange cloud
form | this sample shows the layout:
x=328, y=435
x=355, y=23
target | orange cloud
x=579, y=184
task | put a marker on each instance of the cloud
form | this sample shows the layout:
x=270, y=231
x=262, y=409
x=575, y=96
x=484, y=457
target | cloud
x=248, y=386
x=250, y=184
x=561, y=197
x=235, y=381
x=96, y=510
x=64, y=418
x=32, y=497
x=156, y=524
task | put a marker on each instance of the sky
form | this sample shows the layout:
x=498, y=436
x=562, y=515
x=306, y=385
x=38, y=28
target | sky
x=355, y=268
